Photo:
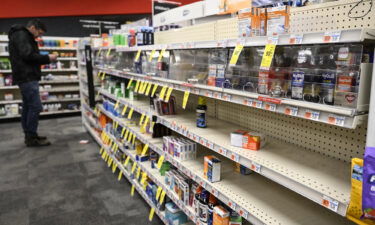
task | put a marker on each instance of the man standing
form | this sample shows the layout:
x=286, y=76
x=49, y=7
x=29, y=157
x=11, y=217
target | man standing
x=26, y=62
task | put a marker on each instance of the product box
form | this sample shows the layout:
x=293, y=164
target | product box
x=221, y=216
x=263, y=22
x=212, y=168
x=244, y=23
x=235, y=218
x=278, y=20
x=247, y=140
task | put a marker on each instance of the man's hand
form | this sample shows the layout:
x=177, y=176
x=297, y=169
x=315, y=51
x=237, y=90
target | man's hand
x=52, y=57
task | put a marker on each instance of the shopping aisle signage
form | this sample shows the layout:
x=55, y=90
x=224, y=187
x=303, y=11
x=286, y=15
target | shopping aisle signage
x=236, y=54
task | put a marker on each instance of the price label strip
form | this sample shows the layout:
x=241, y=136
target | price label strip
x=291, y=111
x=331, y=36
x=268, y=56
x=336, y=120
x=295, y=39
x=330, y=203
x=312, y=115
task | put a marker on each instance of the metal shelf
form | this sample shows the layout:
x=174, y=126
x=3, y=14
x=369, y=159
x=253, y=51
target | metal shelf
x=315, y=178
x=8, y=87
x=67, y=58
x=66, y=81
x=5, y=71
x=73, y=89
x=44, y=113
x=257, y=199
x=57, y=48
x=60, y=70
x=333, y=115
x=4, y=54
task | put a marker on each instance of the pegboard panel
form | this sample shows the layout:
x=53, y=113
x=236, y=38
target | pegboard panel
x=331, y=16
x=227, y=29
x=333, y=141
x=200, y=32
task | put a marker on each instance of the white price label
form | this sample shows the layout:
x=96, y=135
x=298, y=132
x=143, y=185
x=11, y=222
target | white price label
x=196, y=91
x=270, y=107
x=248, y=101
x=190, y=135
x=203, y=141
x=273, y=39
x=291, y=111
x=257, y=104
x=330, y=203
x=227, y=97
x=210, y=144
x=223, y=151
x=190, y=45
x=215, y=192
x=203, y=184
x=255, y=167
x=312, y=115
x=208, y=94
x=222, y=43
x=336, y=120
x=243, y=213
x=235, y=157
x=296, y=39
x=331, y=36
x=217, y=95
x=232, y=205
x=196, y=138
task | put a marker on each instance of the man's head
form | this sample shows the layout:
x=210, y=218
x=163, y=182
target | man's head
x=36, y=27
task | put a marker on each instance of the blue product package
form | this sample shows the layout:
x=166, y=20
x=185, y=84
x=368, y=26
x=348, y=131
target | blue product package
x=298, y=80
x=368, y=189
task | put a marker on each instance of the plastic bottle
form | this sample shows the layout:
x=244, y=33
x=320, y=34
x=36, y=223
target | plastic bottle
x=201, y=112
x=212, y=202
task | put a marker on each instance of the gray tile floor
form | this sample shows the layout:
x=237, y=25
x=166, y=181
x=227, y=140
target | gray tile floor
x=64, y=184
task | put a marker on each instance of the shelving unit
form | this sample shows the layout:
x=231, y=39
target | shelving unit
x=66, y=78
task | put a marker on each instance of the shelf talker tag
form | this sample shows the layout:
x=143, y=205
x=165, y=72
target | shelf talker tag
x=236, y=53
x=162, y=93
x=151, y=215
x=119, y=175
x=130, y=113
x=161, y=55
x=168, y=95
x=130, y=83
x=132, y=190
x=136, y=86
x=138, y=55
x=127, y=161
x=154, y=90
x=160, y=162
x=267, y=56
x=152, y=55
x=144, y=151
x=142, y=118
x=162, y=196
x=185, y=100
x=148, y=89
x=124, y=110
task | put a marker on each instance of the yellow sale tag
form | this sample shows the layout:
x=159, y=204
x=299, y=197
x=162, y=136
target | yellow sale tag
x=98, y=75
x=130, y=113
x=111, y=142
x=101, y=150
x=138, y=55
x=119, y=176
x=236, y=53
x=127, y=161
x=100, y=50
x=124, y=110
x=145, y=87
x=130, y=137
x=142, y=118
x=161, y=55
x=136, y=86
x=123, y=131
x=185, y=100
x=151, y=216
x=141, y=84
x=132, y=190
x=268, y=56
x=113, y=146
x=103, y=155
x=162, y=196
x=160, y=162
x=154, y=90
x=148, y=89
x=133, y=168
x=126, y=134
x=145, y=148
x=138, y=172
x=114, y=168
x=130, y=83
x=158, y=192
x=109, y=52
x=152, y=55
x=133, y=141
x=169, y=92
x=110, y=162
x=117, y=104
x=103, y=76
x=162, y=93
x=146, y=121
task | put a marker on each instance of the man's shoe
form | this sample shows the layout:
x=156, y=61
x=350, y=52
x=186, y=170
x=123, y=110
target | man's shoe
x=42, y=138
x=35, y=142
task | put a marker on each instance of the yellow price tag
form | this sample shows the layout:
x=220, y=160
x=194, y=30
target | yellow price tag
x=148, y=89
x=136, y=86
x=151, y=215
x=130, y=83
x=138, y=173
x=130, y=137
x=101, y=150
x=169, y=92
x=162, y=196
x=100, y=50
x=268, y=56
x=99, y=74
x=162, y=93
x=103, y=155
x=117, y=104
x=160, y=162
x=138, y=55
x=134, y=166
x=158, y=192
x=130, y=113
x=185, y=100
x=161, y=55
x=124, y=110
x=145, y=148
x=110, y=143
x=152, y=55
x=146, y=121
x=133, y=141
x=127, y=161
x=132, y=190
x=110, y=162
x=126, y=134
x=154, y=90
x=141, y=84
x=236, y=53
x=113, y=146
x=114, y=167
x=144, y=87
x=123, y=132
x=109, y=52
x=142, y=118
x=103, y=76
x=119, y=176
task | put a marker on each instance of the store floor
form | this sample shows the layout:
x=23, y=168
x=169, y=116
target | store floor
x=63, y=184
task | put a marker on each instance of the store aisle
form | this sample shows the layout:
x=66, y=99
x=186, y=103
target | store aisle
x=65, y=183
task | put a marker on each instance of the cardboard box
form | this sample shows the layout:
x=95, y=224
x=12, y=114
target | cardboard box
x=212, y=168
x=221, y=216
x=247, y=140
x=278, y=20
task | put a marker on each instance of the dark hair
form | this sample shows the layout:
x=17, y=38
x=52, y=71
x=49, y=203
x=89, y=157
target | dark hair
x=37, y=24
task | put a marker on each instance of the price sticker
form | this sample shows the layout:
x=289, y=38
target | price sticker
x=132, y=190
x=130, y=83
x=103, y=76
x=162, y=93
x=101, y=150
x=331, y=36
x=141, y=119
x=291, y=111
x=141, y=86
x=148, y=89
x=137, y=55
x=117, y=104
x=215, y=192
x=154, y=90
x=133, y=167
x=235, y=157
x=196, y=91
x=114, y=167
x=185, y=99
x=151, y=215
x=222, y=43
x=99, y=74
x=146, y=122
x=124, y=110
x=330, y=203
x=127, y=161
x=295, y=39
x=257, y=104
x=109, y=52
x=223, y=151
x=160, y=162
x=138, y=173
x=130, y=113
x=168, y=95
x=270, y=107
x=100, y=50
x=162, y=196
x=236, y=54
x=133, y=141
x=217, y=95
x=145, y=148
x=227, y=97
x=243, y=213
x=126, y=134
x=248, y=102
x=119, y=176
x=109, y=162
x=190, y=135
x=255, y=167
x=137, y=86
x=232, y=205
x=161, y=55
x=130, y=137
x=203, y=141
x=268, y=56
x=208, y=94
x=312, y=115
x=152, y=55
x=158, y=192
x=336, y=120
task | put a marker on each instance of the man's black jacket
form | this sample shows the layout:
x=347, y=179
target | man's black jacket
x=24, y=55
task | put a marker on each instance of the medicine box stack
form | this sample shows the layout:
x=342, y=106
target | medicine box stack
x=180, y=148
x=247, y=140
x=180, y=184
x=212, y=168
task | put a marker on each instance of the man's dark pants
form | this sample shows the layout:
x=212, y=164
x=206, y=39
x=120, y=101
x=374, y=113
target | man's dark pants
x=31, y=107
